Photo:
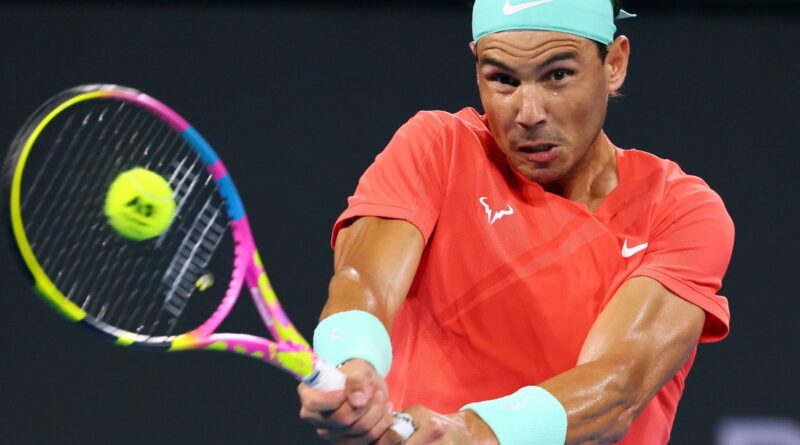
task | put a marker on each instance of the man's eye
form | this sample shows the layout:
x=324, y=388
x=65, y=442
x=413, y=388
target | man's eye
x=560, y=75
x=504, y=79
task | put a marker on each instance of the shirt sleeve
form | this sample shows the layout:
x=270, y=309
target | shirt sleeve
x=690, y=252
x=407, y=180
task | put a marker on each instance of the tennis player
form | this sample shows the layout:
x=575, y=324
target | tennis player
x=513, y=277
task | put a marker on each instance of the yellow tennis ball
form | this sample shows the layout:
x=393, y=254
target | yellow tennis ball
x=139, y=204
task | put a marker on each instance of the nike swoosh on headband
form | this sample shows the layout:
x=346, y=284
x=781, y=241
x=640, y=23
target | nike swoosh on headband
x=509, y=9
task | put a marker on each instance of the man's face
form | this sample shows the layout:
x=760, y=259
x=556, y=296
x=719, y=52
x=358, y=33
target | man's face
x=545, y=96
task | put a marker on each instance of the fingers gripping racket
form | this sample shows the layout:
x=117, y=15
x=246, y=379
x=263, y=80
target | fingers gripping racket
x=129, y=224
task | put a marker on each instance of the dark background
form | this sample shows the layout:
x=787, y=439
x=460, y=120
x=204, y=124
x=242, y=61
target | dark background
x=298, y=97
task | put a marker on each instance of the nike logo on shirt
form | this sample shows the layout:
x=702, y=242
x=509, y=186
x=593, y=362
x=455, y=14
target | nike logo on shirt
x=628, y=252
x=509, y=9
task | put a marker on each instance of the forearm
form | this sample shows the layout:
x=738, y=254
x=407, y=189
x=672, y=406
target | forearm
x=601, y=398
x=620, y=371
x=350, y=290
x=374, y=265
x=641, y=339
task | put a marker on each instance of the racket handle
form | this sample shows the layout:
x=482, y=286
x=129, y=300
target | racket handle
x=325, y=377
x=328, y=378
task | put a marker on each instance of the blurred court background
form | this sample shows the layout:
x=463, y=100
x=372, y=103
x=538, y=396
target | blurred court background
x=299, y=96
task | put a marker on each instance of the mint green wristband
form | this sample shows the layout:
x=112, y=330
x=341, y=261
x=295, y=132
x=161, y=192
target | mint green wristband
x=354, y=334
x=530, y=416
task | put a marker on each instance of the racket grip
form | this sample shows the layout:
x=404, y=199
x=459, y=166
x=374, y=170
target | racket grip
x=328, y=378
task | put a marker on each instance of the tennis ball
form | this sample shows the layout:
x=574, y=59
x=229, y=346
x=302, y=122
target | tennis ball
x=139, y=204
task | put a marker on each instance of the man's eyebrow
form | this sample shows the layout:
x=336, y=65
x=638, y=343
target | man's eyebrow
x=494, y=62
x=567, y=55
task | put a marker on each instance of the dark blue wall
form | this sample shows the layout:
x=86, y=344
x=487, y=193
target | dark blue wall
x=298, y=102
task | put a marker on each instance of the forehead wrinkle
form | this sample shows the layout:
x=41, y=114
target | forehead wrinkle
x=531, y=47
x=521, y=60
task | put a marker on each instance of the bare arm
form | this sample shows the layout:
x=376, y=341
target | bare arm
x=641, y=339
x=374, y=265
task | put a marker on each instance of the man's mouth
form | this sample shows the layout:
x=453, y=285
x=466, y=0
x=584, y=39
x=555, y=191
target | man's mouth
x=537, y=148
x=539, y=153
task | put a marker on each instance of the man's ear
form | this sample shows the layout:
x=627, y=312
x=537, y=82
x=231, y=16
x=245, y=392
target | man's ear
x=617, y=63
x=473, y=46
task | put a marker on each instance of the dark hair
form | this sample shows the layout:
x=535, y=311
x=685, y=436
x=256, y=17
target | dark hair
x=602, y=48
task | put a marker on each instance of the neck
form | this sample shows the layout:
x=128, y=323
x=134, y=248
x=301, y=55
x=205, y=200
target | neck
x=593, y=178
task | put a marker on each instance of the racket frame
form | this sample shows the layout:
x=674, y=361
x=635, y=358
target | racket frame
x=290, y=351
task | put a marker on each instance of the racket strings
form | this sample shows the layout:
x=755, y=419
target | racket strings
x=86, y=224
x=141, y=287
x=88, y=206
x=53, y=227
x=194, y=255
x=58, y=195
x=71, y=262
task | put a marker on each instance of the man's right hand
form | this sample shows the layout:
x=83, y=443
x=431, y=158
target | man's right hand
x=357, y=415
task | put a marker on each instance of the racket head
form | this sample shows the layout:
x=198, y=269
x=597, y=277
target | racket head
x=56, y=174
x=143, y=293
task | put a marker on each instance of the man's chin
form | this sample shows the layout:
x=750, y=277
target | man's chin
x=545, y=180
x=541, y=175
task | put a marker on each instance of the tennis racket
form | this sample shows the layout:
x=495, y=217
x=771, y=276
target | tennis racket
x=167, y=291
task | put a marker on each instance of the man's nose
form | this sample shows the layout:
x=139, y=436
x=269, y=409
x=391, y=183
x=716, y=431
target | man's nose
x=531, y=110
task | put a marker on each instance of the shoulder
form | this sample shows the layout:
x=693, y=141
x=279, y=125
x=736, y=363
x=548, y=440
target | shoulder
x=662, y=176
x=430, y=141
x=436, y=122
x=680, y=197
x=441, y=135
